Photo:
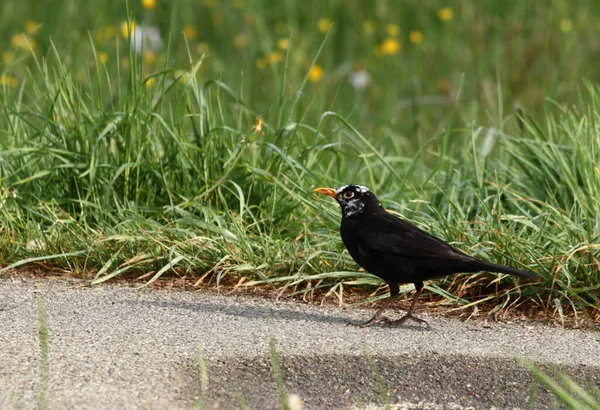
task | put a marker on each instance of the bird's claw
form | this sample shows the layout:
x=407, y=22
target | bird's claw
x=370, y=322
x=403, y=319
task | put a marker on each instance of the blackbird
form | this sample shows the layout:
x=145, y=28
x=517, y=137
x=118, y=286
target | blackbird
x=396, y=251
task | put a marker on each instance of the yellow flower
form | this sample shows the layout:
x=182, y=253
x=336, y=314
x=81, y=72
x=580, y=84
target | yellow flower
x=442, y=86
x=239, y=4
x=261, y=63
x=182, y=76
x=377, y=52
x=249, y=18
x=149, y=57
x=369, y=26
x=566, y=25
x=283, y=43
x=217, y=18
x=110, y=31
x=8, y=57
x=445, y=14
x=100, y=37
x=105, y=33
x=315, y=74
x=22, y=41
x=390, y=46
x=190, y=31
x=202, y=48
x=257, y=127
x=416, y=37
x=125, y=63
x=32, y=27
x=275, y=57
x=7, y=80
x=127, y=27
x=280, y=28
x=393, y=30
x=240, y=40
x=150, y=82
x=102, y=58
x=323, y=24
x=148, y=4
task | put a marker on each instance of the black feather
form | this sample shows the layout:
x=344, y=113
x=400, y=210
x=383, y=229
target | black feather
x=397, y=251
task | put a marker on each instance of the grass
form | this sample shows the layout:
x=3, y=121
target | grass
x=203, y=381
x=278, y=374
x=42, y=397
x=114, y=162
x=567, y=391
x=379, y=380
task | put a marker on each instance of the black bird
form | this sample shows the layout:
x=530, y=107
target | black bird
x=396, y=251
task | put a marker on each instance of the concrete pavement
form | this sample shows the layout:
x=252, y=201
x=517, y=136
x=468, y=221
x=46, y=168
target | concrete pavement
x=64, y=345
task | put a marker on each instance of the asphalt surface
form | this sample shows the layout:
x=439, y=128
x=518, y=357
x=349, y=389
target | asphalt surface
x=64, y=345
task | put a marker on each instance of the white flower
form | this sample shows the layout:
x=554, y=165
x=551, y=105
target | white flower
x=295, y=402
x=35, y=245
x=360, y=79
x=146, y=38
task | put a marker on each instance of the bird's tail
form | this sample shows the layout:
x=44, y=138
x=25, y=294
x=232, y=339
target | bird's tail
x=492, y=267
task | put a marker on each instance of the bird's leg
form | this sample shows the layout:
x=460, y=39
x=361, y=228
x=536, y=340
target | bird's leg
x=394, y=290
x=409, y=314
x=375, y=317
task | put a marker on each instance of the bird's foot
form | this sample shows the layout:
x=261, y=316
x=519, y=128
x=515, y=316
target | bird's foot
x=408, y=316
x=370, y=322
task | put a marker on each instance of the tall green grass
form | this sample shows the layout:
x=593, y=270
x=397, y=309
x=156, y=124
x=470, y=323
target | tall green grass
x=155, y=168
x=571, y=394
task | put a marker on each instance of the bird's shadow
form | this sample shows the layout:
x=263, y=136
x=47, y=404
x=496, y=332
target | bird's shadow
x=253, y=312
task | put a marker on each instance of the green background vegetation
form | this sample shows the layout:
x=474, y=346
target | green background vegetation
x=114, y=161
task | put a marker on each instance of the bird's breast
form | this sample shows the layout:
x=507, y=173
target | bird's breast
x=350, y=232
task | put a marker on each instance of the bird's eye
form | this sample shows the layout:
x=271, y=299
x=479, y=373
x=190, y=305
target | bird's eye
x=348, y=194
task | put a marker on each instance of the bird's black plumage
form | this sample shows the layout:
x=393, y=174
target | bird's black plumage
x=397, y=251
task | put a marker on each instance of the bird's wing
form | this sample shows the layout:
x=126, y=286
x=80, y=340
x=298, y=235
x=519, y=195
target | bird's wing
x=387, y=234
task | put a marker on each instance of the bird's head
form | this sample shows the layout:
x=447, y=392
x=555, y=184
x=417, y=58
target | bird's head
x=354, y=200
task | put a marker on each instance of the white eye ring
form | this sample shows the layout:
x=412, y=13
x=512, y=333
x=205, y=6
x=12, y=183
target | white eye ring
x=348, y=194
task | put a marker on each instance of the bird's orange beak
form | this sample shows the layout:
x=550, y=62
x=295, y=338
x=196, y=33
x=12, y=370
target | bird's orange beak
x=327, y=191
